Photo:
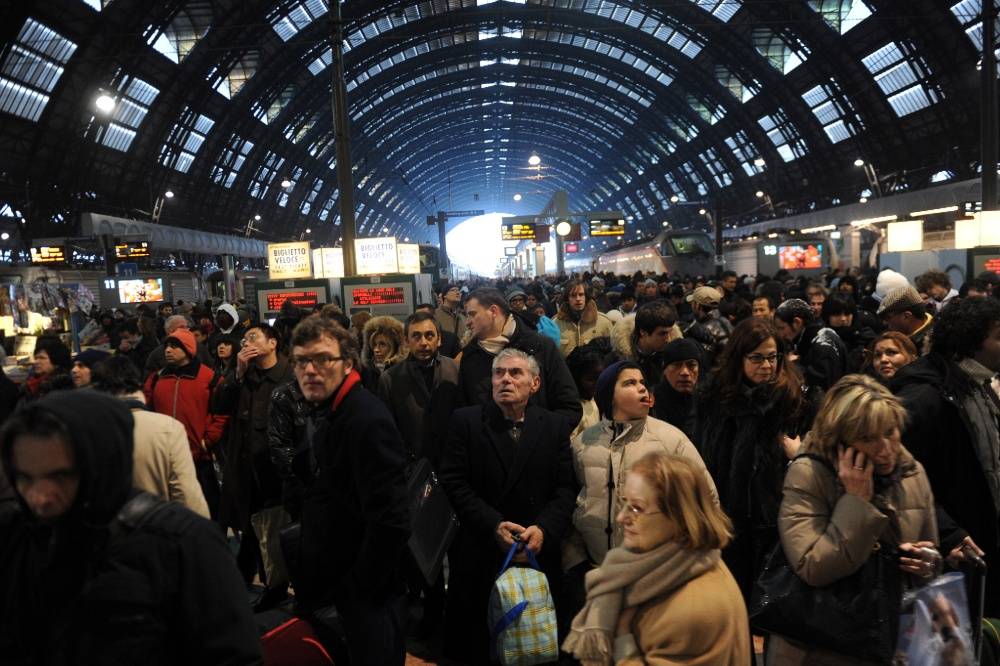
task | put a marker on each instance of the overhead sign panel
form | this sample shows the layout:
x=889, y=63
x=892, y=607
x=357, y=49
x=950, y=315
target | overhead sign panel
x=517, y=231
x=288, y=261
x=408, y=258
x=49, y=254
x=607, y=227
x=328, y=262
x=132, y=250
x=376, y=256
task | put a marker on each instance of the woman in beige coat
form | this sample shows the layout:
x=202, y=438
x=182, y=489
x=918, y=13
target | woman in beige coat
x=665, y=598
x=829, y=525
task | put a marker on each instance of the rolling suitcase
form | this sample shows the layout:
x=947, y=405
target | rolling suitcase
x=433, y=523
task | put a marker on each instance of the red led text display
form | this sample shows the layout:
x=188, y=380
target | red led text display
x=302, y=299
x=365, y=296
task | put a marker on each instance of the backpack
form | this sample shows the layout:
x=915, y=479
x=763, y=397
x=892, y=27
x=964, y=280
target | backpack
x=522, y=615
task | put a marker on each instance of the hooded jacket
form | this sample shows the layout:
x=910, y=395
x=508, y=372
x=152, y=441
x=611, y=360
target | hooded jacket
x=96, y=589
x=940, y=433
x=392, y=329
x=577, y=331
x=231, y=311
x=602, y=455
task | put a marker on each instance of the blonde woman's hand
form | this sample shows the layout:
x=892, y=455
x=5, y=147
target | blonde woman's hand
x=856, y=472
x=790, y=445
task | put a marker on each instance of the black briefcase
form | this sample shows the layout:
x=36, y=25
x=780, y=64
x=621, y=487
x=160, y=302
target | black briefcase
x=433, y=524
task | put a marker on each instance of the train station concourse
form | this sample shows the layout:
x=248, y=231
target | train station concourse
x=499, y=331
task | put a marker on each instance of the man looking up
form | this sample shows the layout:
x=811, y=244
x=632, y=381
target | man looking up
x=183, y=390
x=355, y=520
x=508, y=471
x=494, y=329
x=251, y=491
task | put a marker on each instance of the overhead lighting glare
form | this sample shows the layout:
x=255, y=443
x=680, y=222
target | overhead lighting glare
x=874, y=220
x=934, y=211
x=816, y=230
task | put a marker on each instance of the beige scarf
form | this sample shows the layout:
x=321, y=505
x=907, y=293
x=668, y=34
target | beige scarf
x=496, y=345
x=627, y=579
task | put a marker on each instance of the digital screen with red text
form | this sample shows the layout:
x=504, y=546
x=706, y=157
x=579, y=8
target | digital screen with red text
x=365, y=296
x=302, y=299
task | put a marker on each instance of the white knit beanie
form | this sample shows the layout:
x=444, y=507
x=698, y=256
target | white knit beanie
x=887, y=281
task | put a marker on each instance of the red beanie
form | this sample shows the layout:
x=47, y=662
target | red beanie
x=186, y=340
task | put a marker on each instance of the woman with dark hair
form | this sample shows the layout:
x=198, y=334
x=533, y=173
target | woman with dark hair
x=51, y=367
x=747, y=427
x=226, y=348
x=888, y=353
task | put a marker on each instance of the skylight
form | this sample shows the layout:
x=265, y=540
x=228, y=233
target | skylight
x=32, y=68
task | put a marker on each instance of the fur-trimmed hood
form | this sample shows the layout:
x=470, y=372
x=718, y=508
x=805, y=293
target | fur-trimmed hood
x=390, y=327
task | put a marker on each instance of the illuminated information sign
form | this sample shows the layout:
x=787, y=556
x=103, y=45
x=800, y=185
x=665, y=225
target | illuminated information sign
x=366, y=296
x=517, y=232
x=132, y=250
x=302, y=299
x=48, y=254
x=607, y=227
x=287, y=261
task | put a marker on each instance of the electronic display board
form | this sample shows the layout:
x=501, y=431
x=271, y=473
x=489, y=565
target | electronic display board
x=49, y=254
x=516, y=231
x=571, y=248
x=510, y=251
x=368, y=296
x=132, y=250
x=607, y=227
x=302, y=299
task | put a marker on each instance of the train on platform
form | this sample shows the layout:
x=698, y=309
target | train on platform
x=685, y=252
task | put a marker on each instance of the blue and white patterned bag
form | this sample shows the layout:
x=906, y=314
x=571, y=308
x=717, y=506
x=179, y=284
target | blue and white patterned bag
x=522, y=615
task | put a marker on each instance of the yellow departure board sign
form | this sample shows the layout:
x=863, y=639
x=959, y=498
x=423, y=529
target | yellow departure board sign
x=607, y=227
x=517, y=232
x=48, y=254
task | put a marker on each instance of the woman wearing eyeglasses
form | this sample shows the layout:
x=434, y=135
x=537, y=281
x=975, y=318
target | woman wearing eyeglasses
x=665, y=596
x=747, y=423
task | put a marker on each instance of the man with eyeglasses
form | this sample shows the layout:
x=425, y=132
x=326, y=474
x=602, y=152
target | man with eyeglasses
x=355, y=521
x=674, y=396
x=508, y=471
x=251, y=491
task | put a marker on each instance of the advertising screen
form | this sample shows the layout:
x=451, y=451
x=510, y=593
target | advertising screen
x=800, y=257
x=571, y=248
x=302, y=299
x=149, y=290
x=367, y=296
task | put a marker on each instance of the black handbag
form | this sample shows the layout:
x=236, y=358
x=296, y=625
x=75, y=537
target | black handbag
x=857, y=615
x=433, y=523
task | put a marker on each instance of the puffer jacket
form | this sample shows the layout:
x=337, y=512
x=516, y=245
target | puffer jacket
x=575, y=333
x=624, y=349
x=185, y=393
x=609, y=449
x=828, y=534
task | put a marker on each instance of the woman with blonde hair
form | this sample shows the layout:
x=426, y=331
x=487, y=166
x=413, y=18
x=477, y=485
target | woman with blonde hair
x=856, y=490
x=665, y=596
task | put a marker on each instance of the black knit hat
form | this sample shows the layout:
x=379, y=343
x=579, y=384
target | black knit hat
x=683, y=349
x=604, y=392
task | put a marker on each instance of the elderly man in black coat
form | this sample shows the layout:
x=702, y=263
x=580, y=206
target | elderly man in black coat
x=508, y=471
x=494, y=329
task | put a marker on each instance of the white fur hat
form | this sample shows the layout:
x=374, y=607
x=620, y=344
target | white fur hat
x=887, y=281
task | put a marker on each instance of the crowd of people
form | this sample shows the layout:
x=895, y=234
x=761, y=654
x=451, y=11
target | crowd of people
x=652, y=442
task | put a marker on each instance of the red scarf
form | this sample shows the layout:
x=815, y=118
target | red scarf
x=353, y=377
